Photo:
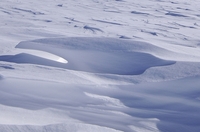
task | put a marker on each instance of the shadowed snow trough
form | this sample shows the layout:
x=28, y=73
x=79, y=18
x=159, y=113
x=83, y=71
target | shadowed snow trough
x=96, y=55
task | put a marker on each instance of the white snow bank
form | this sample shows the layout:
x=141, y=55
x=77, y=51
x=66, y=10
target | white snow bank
x=97, y=55
x=174, y=105
x=30, y=104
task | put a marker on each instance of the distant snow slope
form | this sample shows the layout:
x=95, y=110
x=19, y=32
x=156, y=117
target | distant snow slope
x=99, y=66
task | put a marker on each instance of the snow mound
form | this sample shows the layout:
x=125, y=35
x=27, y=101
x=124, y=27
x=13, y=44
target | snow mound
x=96, y=55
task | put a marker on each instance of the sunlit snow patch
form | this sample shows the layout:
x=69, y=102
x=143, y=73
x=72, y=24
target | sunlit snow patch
x=24, y=58
x=46, y=55
x=148, y=125
x=61, y=60
x=108, y=100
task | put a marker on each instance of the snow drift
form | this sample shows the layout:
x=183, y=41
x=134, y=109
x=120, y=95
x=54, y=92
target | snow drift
x=97, y=55
x=99, y=65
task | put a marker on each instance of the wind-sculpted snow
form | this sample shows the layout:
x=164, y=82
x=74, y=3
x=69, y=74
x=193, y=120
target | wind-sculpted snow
x=99, y=66
x=98, y=55
x=148, y=106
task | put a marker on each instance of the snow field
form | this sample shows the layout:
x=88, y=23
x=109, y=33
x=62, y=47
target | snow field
x=99, y=65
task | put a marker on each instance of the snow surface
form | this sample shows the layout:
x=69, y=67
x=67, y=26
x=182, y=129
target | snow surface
x=100, y=66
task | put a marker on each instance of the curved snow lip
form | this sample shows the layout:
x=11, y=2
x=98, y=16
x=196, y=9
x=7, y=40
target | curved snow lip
x=96, y=55
x=25, y=58
x=46, y=55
